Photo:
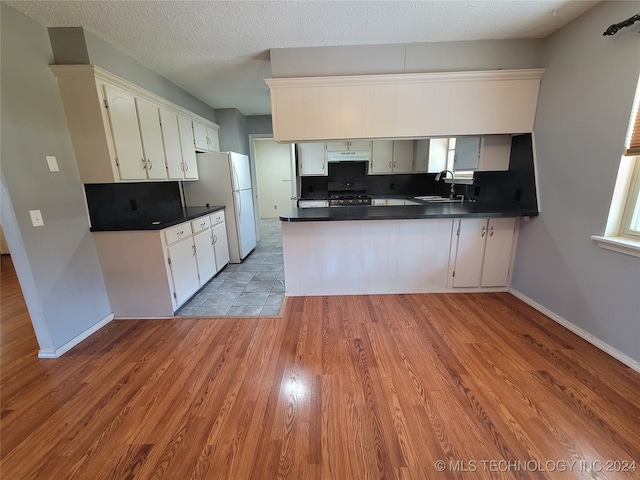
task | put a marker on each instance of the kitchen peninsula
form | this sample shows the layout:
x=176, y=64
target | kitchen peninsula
x=426, y=248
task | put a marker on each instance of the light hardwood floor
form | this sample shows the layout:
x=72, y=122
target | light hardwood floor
x=339, y=388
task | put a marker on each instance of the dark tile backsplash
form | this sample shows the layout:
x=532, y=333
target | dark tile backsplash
x=409, y=184
x=513, y=188
x=115, y=202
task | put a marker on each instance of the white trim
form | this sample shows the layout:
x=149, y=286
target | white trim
x=58, y=352
x=405, y=78
x=605, y=347
x=93, y=71
x=624, y=245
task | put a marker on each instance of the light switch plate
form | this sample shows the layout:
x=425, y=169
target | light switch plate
x=53, y=163
x=36, y=218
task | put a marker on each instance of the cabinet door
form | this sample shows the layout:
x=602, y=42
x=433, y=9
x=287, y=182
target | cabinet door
x=472, y=233
x=190, y=166
x=467, y=154
x=438, y=151
x=311, y=159
x=421, y=156
x=403, y=156
x=220, y=245
x=213, y=140
x=184, y=270
x=123, y=120
x=381, y=156
x=200, y=136
x=151, y=134
x=360, y=145
x=172, y=148
x=497, y=256
x=496, y=153
x=204, y=255
x=336, y=146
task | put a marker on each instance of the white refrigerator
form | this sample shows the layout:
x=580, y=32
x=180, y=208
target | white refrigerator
x=225, y=179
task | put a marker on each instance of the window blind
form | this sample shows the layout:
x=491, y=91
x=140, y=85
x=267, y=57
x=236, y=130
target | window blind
x=633, y=135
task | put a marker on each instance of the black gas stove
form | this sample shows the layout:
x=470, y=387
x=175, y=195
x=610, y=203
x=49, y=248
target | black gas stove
x=343, y=194
x=342, y=200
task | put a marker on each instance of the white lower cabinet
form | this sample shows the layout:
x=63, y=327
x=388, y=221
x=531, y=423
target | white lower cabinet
x=220, y=245
x=205, y=257
x=481, y=251
x=182, y=261
x=151, y=273
x=312, y=203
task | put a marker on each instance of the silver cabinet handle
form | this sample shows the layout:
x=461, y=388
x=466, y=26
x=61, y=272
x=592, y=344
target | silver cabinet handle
x=484, y=230
x=150, y=164
x=389, y=164
x=144, y=164
x=215, y=239
x=182, y=166
x=194, y=249
x=491, y=231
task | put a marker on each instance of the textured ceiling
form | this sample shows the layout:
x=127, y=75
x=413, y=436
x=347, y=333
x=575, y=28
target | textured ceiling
x=219, y=51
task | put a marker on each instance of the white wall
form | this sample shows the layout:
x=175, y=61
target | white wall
x=57, y=263
x=582, y=117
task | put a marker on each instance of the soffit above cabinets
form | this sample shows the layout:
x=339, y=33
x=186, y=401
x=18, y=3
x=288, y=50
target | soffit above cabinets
x=404, y=105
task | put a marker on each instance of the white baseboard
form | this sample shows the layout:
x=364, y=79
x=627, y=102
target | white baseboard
x=76, y=340
x=605, y=347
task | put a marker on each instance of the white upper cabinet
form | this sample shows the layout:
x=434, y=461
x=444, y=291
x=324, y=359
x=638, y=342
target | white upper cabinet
x=391, y=156
x=403, y=156
x=467, y=154
x=496, y=153
x=189, y=164
x=381, y=157
x=116, y=129
x=404, y=105
x=311, y=159
x=123, y=120
x=431, y=155
x=206, y=137
x=172, y=147
x=151, y=133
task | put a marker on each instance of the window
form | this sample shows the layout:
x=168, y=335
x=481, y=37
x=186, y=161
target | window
x=622, y=233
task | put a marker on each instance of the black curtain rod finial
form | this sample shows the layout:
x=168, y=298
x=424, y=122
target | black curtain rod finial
x=613, y=29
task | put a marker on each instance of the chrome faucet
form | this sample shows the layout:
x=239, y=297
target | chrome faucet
x=452, y=194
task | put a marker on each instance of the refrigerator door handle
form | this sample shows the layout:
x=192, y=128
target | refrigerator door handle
x=239, y=202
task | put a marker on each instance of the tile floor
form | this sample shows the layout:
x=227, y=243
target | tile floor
x=254, y=287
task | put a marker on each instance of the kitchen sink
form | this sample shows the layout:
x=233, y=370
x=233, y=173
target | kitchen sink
x=437, y=199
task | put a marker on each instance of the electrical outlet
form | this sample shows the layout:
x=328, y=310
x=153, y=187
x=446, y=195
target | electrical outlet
x=53, y=163
x=36, y=218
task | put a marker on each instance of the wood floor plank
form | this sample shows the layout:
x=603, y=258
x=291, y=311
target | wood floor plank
x=344, y=387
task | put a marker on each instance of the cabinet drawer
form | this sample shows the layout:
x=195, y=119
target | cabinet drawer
x=200, y=224
x=176, y=233
x=217, y=218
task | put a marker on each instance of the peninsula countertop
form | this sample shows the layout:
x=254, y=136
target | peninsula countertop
x=404, y=212
x=160, y=221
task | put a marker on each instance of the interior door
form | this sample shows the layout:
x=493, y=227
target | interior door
x=273, y=174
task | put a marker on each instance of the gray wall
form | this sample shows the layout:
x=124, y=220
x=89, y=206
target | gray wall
x=57, y=263
x=233, y=133
x=582, y=117
x=406, y=58
x=259, y=125
x=113, y=60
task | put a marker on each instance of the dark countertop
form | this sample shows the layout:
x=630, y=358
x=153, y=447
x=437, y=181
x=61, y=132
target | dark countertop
x=404, y=212
x=163, y=220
